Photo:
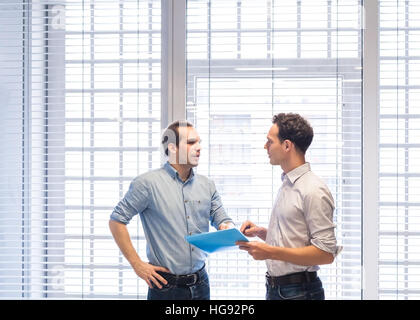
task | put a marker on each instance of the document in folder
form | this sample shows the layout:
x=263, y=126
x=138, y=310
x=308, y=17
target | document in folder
x=218, y=240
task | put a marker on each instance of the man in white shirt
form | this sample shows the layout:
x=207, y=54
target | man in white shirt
x=300, y=235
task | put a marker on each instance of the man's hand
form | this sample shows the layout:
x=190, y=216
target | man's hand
x=148, y=273
x=258, y=250
x=250, y=229
x=227, y=225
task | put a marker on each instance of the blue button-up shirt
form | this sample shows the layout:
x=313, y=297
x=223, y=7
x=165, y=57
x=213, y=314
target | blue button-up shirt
x=169, y=210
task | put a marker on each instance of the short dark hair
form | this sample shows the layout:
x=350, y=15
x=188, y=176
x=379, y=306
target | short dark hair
x=171, y=133
x=295, y=128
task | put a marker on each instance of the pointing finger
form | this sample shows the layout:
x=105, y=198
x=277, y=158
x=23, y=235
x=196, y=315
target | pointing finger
x=244, y=227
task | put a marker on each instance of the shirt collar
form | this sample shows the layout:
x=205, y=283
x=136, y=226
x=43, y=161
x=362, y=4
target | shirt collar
x=174, y=174
x=296, y=173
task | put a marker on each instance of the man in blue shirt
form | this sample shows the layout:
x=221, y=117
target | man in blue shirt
x=172, y=202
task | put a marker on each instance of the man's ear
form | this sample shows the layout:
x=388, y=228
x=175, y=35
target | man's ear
x=287, y=144
x=171, y=148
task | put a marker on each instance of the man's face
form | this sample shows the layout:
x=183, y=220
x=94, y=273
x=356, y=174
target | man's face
x=275, y=148
x=189, y=148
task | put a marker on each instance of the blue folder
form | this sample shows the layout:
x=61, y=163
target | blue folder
x=215, y=241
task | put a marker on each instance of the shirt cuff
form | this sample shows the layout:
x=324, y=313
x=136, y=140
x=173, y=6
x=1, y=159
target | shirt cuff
x=227, y=220
x=119, y=218
x=333, y=249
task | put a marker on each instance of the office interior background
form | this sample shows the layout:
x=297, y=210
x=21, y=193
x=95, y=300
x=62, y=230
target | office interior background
x=87, y=86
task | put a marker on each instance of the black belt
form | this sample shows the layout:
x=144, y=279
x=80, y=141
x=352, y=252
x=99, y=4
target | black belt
x=185, y=280
x=293, y=278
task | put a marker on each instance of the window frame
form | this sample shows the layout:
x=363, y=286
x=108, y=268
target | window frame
x=174, y=107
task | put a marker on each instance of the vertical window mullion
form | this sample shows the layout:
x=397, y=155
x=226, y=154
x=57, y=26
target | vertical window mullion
x=299, y=28
x=92, y=134
x=173, y=61
x=120, y=135
x=370, y=151
x=406, y=141
x=238, y=32
x=150, y=94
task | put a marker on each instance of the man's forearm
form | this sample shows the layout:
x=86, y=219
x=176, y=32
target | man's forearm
x=122, y=238
x=305, y=256
x=143, y=269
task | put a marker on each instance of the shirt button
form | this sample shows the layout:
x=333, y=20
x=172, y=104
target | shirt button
x=188, y=217
x=190, y=233
x=192, y=249
x=186, y=201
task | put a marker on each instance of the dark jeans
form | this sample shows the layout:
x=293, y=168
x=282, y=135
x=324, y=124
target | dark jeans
x=302, y=291
x=198, y=291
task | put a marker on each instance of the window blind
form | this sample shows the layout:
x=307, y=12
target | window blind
x=248, y=60
x=399, y=150
x=80, y=118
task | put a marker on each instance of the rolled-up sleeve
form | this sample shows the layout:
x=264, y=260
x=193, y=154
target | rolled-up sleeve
x=135, y=201
x=217, y=212
x=319, y=208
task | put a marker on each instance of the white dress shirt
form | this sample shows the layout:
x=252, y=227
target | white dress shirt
x=302, y=215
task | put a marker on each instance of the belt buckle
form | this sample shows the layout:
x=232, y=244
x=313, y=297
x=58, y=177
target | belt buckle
x=195, y=278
